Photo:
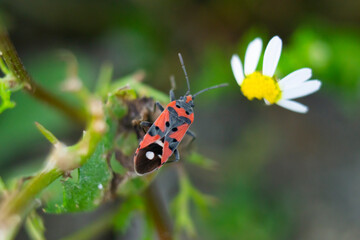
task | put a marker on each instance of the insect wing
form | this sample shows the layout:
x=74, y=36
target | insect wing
x=172, y=140
x=148, y=156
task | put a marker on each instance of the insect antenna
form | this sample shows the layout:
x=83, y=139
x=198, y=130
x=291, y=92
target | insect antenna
x=186, y=76
x=172, y=82
x=209, y=88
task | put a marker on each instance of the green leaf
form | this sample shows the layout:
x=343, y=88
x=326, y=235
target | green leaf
x=47, y=134
x=181, y=206
x=127, y=142
x=140, y=88
x=116, y=108
x=103, y=82
x=84, y=193
x=116, y=166
x=5, y=93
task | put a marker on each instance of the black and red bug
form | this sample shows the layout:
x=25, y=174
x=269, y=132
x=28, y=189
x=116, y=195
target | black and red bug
x=165, y=134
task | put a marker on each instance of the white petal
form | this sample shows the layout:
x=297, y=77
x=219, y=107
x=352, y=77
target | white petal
x=302, y=90
x=237, y=68
x=293, y=106
x=267, y=102
x=272, y=56
x=295, y=78
x=252, y=56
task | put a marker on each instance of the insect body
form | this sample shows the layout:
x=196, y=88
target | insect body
x=165, y=134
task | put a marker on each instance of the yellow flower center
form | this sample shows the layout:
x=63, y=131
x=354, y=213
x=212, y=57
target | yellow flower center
x=259, y=86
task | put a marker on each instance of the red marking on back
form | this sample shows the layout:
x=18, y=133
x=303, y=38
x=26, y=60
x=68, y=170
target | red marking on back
x=162, y=119
x=147, y=140
x=166, y=152
x=161, y=124
x=180, y=133
x=189, y=98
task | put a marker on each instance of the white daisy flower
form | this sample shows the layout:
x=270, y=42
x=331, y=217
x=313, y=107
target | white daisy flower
x=264, y=85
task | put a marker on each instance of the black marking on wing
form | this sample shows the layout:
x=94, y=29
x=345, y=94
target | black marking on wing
x=185, y=119
x=143, y=165
x=155, y=130
x=173, y=143
x=172, y=111
x=176, y=120
x=152, y=131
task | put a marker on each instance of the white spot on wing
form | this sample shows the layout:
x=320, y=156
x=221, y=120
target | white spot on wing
x=160, y=143
x=150, y=155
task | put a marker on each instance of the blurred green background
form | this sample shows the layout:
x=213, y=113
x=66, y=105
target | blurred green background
x=279, y=174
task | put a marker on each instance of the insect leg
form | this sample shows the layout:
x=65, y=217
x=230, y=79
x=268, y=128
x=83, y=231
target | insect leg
x=191, y=134
x=161, y=108
x=144, y=124
x=177, y=157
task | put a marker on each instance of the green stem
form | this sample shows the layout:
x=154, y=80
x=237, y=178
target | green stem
x=14, y=208
x=62, y=159
x=35, y=186
x=15, y=65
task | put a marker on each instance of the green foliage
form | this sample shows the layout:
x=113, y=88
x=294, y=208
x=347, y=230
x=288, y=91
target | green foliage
x=116, y=109
x=332, y=52
x=127, y=142
x=34, y=111
x=134, y=186
x=5, y=94
x=8, y=84
x=200, y=160
x=141, y=88
x=35, y=226
x=149, y=230
x=103, y=82
x=85, y=192
x=116, y=166
x=2, y=186
x=216, y=69
x=47, y=134
x=243, y=213
x=127, y=210
x=180, y=206
x=132, y=205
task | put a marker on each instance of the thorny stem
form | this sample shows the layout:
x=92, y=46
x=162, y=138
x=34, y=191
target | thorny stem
x=155, y=208
x=15, y=65
x=61, y=160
